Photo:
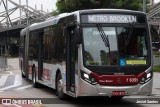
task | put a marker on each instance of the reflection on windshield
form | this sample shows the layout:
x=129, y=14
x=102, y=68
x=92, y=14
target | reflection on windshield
x=95, y=51
x=126, y=48
x=135, y=52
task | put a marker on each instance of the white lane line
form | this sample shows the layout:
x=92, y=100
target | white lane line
x=17, y=82
x=3, y=79
x=24, y=87
x=10, y=72
x=157, y=95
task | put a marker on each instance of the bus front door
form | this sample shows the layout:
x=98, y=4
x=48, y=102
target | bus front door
x=70, y=77
x=40, y=56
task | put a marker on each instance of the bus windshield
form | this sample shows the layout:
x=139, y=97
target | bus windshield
x=126, y=46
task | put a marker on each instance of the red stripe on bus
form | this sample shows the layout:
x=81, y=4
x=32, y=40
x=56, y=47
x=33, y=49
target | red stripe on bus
x=46, y=75
x=121, y=80
x=30, y=69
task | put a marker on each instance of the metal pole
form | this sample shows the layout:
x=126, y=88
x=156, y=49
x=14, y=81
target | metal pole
x=35, y=7
x=20, y=12
x=1, y=50
x=144, y=6
x=27, y=13
x=7, y=13
x=152, y=2
x=6, y=43
x=7, y=17
x=42, y=7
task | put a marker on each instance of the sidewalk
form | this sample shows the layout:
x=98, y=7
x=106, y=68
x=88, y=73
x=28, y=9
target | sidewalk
x=156, y=83
x=13, y=62
x=13, y=66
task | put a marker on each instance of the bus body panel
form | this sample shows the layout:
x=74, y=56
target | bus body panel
x=85, y=89
x=49, y=73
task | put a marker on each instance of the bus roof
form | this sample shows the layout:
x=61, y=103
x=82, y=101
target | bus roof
x=54, y=20
x=110, y=10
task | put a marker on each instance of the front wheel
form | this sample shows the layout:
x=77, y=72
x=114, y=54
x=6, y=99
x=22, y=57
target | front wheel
x=59, y=88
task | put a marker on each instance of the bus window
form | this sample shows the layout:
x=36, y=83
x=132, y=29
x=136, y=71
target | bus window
x=95, y=50
x=47, y=44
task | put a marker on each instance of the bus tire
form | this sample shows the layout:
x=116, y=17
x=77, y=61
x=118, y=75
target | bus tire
x=34, y=81
x=59, y=87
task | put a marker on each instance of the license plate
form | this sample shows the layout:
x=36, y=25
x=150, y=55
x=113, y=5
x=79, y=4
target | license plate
x=118, y=93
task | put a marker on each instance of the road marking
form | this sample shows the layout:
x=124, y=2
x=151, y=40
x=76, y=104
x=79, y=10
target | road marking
x=158, y=95
x=10, y=72
x=3, y=79
x=17, y=82
x=17, y=105
x=24, y=87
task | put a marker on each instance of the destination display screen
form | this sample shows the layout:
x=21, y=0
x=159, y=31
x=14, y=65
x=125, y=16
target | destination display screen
x=112, y=18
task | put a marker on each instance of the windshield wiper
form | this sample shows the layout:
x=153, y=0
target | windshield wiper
x=104, y=37
x=128, y=37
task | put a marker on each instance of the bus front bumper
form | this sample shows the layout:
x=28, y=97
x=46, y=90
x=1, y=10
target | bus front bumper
x=86, y=89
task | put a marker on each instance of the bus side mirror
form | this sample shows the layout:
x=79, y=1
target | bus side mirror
x=77, y=36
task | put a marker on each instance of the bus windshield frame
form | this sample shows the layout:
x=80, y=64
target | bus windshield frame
x=118, y=59
x=128, y=32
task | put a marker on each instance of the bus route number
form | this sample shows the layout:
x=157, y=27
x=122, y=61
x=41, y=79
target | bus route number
x=132, y=80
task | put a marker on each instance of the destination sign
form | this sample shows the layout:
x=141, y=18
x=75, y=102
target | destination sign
x=109, y=18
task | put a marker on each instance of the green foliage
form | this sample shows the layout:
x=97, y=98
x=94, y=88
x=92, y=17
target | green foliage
x=73, y=5
x=156, y=68
x=54, y=13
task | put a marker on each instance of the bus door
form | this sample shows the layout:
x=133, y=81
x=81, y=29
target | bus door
x=25, y=54
x=40, y=56
x=70, y=65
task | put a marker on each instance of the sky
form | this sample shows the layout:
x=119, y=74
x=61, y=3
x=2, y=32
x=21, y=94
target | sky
x=156, y=1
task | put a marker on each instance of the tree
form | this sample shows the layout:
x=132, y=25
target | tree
x=73, y=5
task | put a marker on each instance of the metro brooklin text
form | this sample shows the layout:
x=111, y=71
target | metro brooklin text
x=112, y=19
x=147, y=101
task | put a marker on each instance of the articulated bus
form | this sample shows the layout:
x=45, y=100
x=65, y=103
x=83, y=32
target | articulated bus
x=96, y=52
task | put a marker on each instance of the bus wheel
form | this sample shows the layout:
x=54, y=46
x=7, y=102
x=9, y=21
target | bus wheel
x=59, y=87
x=34, y=81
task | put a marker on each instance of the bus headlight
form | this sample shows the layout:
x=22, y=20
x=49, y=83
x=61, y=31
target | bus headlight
x=88, y=78
x=146, y=78
x=148, y=75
